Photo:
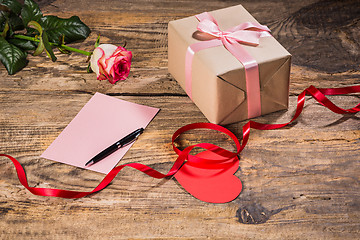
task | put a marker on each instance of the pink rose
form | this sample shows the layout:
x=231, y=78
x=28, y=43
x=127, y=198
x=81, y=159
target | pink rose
x=111, y=62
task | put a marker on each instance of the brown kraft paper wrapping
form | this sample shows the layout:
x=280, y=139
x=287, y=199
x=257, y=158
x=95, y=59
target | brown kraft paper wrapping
x=218, y=78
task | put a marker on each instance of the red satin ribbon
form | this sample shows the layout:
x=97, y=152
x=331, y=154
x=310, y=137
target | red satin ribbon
x=318, y=94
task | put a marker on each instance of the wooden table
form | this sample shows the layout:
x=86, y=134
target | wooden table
x=300, y=182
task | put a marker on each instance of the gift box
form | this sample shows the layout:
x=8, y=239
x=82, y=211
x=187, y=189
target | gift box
x=205, y=57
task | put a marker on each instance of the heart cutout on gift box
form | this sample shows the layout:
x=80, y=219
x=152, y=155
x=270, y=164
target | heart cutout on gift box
x=211, y=185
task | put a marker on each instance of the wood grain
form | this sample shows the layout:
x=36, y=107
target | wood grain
x=299, y=182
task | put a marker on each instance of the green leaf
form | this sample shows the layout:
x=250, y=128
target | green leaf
x=6, y=29
x=25, y=45
x=12, y=5
x=15, y=22
x=13, y=58
x=43, y=41
x=88, y=69
x=30, y=11
x=3, y=18
x=9, y=9
x=41, y=46
x=97, y=43
x=72, y=28
x=35, y=25
x=48, y=48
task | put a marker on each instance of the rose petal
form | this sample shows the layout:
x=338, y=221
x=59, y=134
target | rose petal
x=108, y=49
x=97, y=54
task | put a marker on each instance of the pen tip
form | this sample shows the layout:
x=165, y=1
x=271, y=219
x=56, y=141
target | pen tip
x=89, y=163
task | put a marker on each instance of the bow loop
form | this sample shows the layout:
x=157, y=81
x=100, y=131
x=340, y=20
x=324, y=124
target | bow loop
x=210, y=27
x=248, y=33
x=243, y=36
x=250, y=26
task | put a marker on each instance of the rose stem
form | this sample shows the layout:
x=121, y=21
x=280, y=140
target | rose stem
x=54, y=44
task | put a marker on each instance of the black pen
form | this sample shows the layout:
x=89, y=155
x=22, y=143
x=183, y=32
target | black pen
x=119, y=144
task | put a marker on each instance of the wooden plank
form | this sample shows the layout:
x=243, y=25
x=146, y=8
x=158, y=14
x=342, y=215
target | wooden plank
x=145, y=31
x=299, y=182
x=294, y=176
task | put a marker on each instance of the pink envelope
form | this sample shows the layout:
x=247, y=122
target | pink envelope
x=99, y=124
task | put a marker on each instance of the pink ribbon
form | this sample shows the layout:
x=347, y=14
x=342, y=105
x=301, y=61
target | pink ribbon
x=245, y=33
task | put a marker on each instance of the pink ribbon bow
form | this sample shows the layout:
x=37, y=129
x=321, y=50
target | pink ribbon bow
x=245, y=33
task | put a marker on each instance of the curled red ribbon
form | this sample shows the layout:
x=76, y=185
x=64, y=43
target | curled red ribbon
x=318, y=94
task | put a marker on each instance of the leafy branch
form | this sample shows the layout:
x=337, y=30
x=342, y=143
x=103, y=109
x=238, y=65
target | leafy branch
x=24, y=28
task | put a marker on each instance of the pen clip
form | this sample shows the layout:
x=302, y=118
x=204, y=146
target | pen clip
x=130, y=138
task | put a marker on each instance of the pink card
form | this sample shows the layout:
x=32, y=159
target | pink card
x=99, y=124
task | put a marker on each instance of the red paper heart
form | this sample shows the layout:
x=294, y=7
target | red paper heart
x=210, y=185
